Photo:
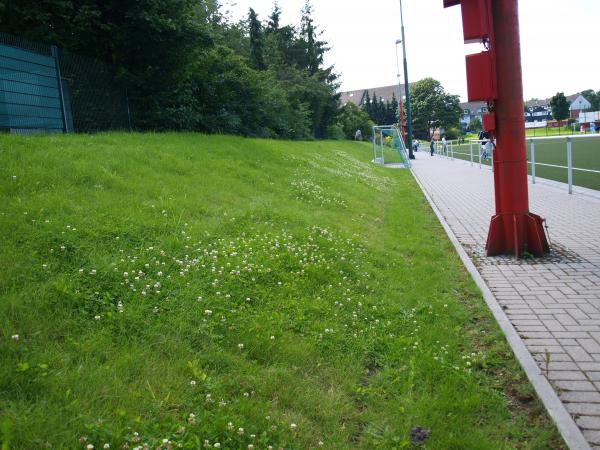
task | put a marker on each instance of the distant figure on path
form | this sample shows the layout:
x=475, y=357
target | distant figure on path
x=484, y=137
x=445, y=145
x=432, y=146
x=358, y=135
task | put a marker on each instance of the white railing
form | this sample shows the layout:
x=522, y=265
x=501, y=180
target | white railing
x=532, y=161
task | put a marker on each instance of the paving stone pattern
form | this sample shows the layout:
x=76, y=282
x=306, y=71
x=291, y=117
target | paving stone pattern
x=553, y=302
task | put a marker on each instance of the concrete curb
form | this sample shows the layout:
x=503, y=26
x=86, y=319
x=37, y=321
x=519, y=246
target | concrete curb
x=566, y=425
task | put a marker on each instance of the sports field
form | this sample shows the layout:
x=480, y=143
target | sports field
x=586, y=155
x=187, y=291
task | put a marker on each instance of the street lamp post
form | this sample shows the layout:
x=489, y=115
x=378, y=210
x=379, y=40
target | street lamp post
x=400, y=102
x=406, y=90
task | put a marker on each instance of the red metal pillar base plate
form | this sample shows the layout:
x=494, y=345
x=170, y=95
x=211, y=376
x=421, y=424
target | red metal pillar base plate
x=516, y=234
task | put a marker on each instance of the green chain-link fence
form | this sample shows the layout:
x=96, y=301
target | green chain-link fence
x=89, y=96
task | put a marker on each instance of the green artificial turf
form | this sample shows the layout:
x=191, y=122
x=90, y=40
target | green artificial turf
x=192, y=291
x=585, y=151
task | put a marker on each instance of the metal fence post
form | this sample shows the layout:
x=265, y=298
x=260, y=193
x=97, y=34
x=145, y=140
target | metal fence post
x=374, y=146
x=471, y=151
x=451, y=152
x=570, y=164
x=128, y=111
x=382, y=149
x=532, y=157
x=63, y=107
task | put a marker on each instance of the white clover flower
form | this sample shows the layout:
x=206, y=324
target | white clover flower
x=208, y=312
x=241, y=346
x=217, y=445
x=192, y=382
x=272, y=338
x=90, y=447
x=106, y=446
x=293, y=426
x=240, y=431
x=250, y=447
x=15, y=337
x=97, y=317
x=321, y=444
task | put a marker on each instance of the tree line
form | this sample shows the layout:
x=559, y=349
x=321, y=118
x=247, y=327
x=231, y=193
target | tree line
x=188, y=67
x=432, y=107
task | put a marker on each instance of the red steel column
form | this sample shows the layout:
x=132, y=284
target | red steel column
x=513, y=229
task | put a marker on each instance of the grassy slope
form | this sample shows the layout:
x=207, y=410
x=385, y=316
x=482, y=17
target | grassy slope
x=299, y=284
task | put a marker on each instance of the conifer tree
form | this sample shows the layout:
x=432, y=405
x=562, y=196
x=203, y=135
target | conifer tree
x=256, y=41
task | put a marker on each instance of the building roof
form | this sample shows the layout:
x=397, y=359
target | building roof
x=580, y=103
x=546, y=101
x=384, y=92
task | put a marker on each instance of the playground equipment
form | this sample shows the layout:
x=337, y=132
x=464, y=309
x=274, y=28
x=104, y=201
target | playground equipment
x=494, y=76
x=397, y=154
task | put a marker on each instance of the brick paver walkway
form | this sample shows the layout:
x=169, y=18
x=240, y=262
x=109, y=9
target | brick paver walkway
x=553, y=303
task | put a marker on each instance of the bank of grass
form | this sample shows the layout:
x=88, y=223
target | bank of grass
x=187, y=291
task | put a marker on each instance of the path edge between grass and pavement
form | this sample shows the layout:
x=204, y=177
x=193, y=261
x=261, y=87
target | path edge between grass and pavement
x=564, y=422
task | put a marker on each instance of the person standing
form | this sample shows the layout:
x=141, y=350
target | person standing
x=484, y=138
x=432, y=146
x=358, y=135
x=445, y=145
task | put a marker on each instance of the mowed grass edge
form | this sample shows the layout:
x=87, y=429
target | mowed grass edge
x=189, y=291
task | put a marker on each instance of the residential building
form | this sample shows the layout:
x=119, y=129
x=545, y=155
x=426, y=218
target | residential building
x=579, y=104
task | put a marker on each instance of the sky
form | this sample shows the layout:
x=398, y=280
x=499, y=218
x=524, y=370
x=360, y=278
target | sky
x=559, y=49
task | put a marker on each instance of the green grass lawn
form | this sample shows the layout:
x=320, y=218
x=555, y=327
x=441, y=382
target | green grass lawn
x=586, y=155
x=191, y=291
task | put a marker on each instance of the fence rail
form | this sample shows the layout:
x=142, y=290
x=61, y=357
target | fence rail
x=475, y=144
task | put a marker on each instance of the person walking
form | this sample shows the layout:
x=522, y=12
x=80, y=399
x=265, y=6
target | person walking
x=432, y=146
x=484, y=138
x=445, y=145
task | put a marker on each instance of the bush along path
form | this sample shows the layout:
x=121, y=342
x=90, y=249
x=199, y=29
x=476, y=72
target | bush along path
x=189, y=291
